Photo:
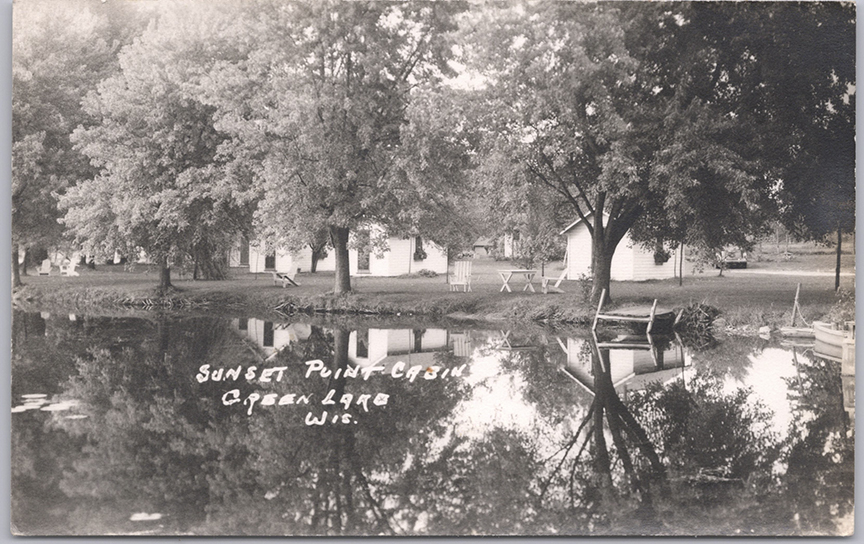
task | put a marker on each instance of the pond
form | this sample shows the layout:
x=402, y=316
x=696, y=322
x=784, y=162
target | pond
x=211, y=426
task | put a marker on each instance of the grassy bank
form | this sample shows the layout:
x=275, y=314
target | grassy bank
x=747, y=298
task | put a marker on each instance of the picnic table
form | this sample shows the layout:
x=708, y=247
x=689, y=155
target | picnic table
x=506, y=275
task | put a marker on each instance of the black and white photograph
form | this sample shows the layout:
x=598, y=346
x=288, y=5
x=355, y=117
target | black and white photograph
x=324, y=268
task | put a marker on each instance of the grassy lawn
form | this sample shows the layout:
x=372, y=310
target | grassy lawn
x=745, y=296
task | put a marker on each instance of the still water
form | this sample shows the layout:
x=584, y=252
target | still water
x=208, y=426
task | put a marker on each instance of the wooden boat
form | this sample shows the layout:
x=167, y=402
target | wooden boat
x=830, y=342
x=654, y=320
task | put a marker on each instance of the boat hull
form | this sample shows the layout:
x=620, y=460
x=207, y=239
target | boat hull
x=828, y=341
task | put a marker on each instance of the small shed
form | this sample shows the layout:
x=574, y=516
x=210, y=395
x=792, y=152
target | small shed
x=482, y=247
x=630, y=262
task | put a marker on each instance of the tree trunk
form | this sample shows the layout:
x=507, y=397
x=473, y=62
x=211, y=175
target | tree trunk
x=165, y=277
x=16, y=272
x=604, y=241
x=601, y=266
x=340, y=358
x=339, y=239
x=837, y=269
x=313, y=266
x=602, y=463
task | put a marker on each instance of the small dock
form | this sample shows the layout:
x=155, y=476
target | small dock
x=649, y=316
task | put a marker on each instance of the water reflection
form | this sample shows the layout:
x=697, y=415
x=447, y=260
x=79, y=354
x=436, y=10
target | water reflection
x=631, y=361
x=427, y=431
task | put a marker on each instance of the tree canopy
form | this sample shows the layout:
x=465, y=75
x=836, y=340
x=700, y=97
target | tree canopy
x=161, y=186
x=60, y=52
x=649, y=118
x=323, y=109
x=687, y=123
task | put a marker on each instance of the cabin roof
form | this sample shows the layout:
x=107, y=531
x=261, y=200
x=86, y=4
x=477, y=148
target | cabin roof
x=572, y=225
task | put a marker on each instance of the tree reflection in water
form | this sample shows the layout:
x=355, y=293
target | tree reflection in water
x=514, y=447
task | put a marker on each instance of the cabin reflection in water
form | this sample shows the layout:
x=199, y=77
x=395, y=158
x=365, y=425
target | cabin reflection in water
x=366, y=347
x=384, y=347
x=270, y=337
x=633, y=362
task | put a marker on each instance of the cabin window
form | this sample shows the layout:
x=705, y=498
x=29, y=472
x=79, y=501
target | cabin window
x=661, y=254
x=268, y=334
x=419, y=253
x=418, y=340
x=270, y=261
x=363, y=344
x=243, y=324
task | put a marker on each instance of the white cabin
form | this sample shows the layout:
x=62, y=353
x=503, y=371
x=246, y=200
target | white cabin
x=259, y=258
x=399, y=258
x=631, y=261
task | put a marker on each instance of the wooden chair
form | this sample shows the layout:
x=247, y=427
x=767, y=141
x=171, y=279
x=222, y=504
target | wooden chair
x=556, y=287
x=285, y=278
x=45, y=269
x=68, y=269
x=461, y=276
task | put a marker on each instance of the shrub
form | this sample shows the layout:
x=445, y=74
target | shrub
x=585, y=283
x=843, y=309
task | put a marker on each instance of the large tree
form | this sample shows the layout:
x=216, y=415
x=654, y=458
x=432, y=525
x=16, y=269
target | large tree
x=812, y=77
x=786, y=72
x=319, y=110
x=647, y=117
x=60, y=52
x=160, y=186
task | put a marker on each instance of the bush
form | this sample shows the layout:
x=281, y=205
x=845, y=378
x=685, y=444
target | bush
x=843, y=309
x=585, y=283
x=426, y=273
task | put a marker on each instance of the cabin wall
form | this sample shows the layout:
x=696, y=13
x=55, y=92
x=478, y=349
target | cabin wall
x=255, y=331
x=621, y=364
x=434, y=339
x=507, y=246
x=630, y=262
x=399, y=258
x=622, y=261
x=376, y=340
x=644, y=267
x=578, y=252
x=399, y=340
x=288, y=261
x=303, y=260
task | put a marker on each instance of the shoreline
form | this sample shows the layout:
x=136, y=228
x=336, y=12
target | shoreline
x=397, y=300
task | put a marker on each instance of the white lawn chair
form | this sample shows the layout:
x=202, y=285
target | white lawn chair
x=45, y=269
x=461, y=276
x=68, y=269
x=556, y=287
x=285, y=278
